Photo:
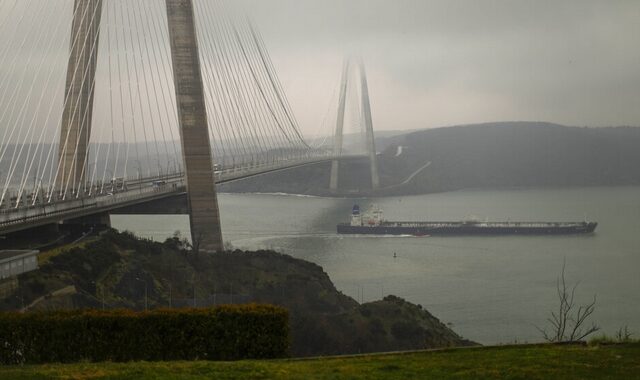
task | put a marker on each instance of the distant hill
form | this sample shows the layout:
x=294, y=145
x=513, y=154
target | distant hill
x=491, y=155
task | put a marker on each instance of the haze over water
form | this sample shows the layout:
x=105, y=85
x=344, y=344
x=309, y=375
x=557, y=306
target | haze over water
x=491, y=289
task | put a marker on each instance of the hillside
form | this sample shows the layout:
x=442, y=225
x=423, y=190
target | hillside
x=493, y=155
x=117, y=270
x=511, y=362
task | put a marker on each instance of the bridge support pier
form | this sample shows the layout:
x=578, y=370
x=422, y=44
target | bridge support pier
x=202, y=202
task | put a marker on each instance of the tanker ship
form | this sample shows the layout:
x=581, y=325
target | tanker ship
x=372, y=222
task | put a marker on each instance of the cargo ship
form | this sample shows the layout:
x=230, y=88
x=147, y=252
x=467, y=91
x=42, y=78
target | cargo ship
x=372, y=222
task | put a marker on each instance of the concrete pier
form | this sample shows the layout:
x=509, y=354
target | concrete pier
x=202, y=201
x=78, y=107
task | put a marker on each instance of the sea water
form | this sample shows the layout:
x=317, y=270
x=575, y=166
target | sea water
x=493, y=289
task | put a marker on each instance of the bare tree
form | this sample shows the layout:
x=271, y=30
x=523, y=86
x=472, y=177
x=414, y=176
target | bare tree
x=623, y=335
x=568, y=322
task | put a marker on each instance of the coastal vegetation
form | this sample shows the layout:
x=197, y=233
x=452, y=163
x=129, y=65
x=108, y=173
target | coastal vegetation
x=120, y=271
x=229, y=332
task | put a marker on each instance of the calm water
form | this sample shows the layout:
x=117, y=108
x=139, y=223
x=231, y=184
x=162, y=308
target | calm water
x=491, y=289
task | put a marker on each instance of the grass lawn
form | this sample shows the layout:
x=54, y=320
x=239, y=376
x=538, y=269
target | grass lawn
x=510, y=362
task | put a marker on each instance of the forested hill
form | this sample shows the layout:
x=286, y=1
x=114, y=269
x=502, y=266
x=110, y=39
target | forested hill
x=492, y=155
x=513, y=154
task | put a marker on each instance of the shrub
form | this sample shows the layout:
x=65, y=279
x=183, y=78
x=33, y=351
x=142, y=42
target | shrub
x=36, y=287
x=376, y=327
x=222, y=333
x=405, y=330
x=365, y=311
x=623, y=335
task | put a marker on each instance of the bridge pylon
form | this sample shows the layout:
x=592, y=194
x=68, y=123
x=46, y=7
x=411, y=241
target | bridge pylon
x=75, y=131
x=368, y=124
x=337, y=143
x=202, y=202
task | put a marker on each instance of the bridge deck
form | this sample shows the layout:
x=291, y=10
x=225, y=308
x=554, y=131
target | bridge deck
x=137, y=191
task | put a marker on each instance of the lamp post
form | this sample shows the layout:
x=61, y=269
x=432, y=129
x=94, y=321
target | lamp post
x=138, y=168
x=89, y=179
x=146, y=304
x=112, y=180
x=37, y=192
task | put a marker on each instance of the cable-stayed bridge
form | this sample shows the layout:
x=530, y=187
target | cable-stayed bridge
x=136, y=103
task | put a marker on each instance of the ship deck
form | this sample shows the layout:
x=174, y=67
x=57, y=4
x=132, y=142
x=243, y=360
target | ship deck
x=482, y=224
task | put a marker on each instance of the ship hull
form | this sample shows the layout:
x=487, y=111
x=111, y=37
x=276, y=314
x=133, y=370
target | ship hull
x=453, y=229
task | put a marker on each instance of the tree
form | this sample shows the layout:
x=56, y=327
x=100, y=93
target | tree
x=197, y=240
x=568, y=323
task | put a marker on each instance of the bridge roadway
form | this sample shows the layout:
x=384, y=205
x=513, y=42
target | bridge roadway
x=137, y=191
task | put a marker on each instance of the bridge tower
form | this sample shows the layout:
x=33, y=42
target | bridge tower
x=202, y=202
x=79, y=89
x=368, y=123
x=337, y=143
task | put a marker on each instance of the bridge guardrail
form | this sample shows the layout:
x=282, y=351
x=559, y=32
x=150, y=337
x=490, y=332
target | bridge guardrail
x=48, y=210
x=138, y=191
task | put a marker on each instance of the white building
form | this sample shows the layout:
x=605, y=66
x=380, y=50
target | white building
x=15, y=262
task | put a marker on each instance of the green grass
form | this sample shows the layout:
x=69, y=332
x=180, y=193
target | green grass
x=509, y=362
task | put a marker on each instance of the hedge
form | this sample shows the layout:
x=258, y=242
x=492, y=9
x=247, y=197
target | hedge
x=222, y=333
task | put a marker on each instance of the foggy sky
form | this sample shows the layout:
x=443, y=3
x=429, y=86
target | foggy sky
x=436, y=63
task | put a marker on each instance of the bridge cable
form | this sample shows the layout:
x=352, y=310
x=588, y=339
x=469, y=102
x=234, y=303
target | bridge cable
x=228, y=100
x=167, y=94
x=138, y=14
x=75, y=107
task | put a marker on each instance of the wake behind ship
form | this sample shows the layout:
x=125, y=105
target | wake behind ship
x=373, y=223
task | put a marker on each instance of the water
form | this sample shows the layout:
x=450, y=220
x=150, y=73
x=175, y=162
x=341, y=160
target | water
x=490, y=289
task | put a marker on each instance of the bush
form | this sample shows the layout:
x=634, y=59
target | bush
x=405, y=330
x=623, y=335
x=222, y=333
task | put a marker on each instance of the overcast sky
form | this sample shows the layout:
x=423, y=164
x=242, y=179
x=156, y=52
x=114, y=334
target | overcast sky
x=433, y=63
x=436, y=63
